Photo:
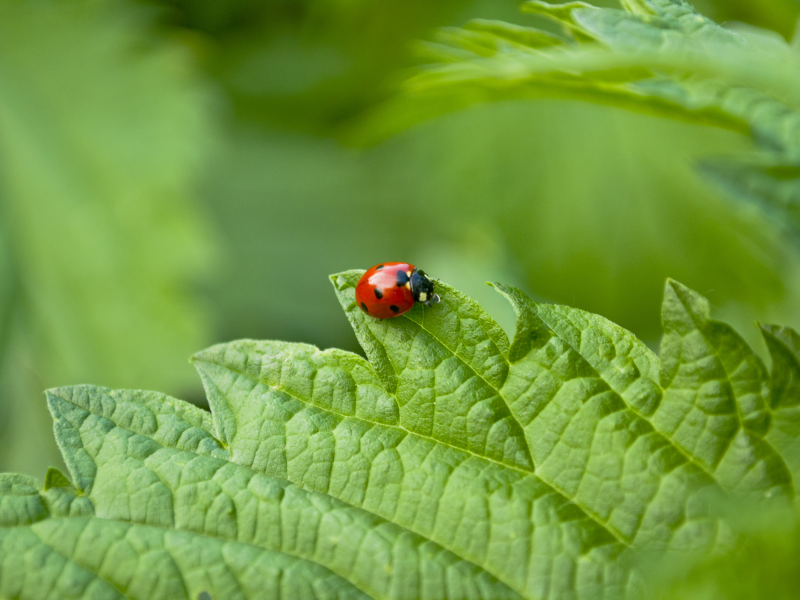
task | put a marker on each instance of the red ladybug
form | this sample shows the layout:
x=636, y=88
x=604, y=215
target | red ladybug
x=390, y=289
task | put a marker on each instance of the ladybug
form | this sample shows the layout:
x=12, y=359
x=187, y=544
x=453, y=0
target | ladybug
x=391, y=289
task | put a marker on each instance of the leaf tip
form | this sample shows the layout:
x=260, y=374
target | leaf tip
x=676, y=290
x=513, y=294
x=676, y=287
x=767, y=328
x=499, y=287
x=778, y=335
x=346, y=279
x=683, y=298
x=54, y=396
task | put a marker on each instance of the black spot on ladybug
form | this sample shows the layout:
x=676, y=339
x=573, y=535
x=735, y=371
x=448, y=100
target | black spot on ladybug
x=378, y=294
x=379, y=267
x=394, y=309
x=364, y=306
x=402, y=278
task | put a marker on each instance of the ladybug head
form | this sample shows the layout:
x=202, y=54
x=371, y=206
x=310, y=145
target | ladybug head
x=422, y=288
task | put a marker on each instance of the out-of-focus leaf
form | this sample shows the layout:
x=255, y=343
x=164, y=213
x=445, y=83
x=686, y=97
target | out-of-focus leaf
x=778, y=15
x=509, y=33
x=784, y=401
x=657, y=56
x=309, y=65
x=102, y=127
x=771, y=183
x=761, y=564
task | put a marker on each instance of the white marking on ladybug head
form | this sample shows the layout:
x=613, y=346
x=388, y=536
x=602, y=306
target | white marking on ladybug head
x=423, y=296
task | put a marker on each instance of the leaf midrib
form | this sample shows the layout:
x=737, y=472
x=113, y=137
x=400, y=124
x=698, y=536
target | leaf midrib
x=469, y=366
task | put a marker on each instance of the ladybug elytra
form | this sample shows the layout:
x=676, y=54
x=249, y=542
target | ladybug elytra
x=391, y=289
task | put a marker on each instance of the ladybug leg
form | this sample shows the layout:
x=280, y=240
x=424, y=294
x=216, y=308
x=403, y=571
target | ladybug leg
x=435, y=299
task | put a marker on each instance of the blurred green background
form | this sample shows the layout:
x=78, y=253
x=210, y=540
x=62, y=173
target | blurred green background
x=176, y=174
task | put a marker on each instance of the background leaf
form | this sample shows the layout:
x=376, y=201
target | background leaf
x=760, y=562
x=660, y=57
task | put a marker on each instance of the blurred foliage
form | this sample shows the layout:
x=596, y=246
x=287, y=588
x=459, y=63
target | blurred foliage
x=102, y=127
x=306, y=65
x=659, y=57
x=602, y=238
x=778, y=15
x=761, y=561
x=178, y=173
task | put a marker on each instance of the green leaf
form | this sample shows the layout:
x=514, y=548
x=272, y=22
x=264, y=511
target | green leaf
x=579, y=387
x=444, y=458
x=715, y=397
x=637, y=6
x=621, y=470
x=54, y=555
x=20, y=502
x=145, y=459
x=451, y=463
